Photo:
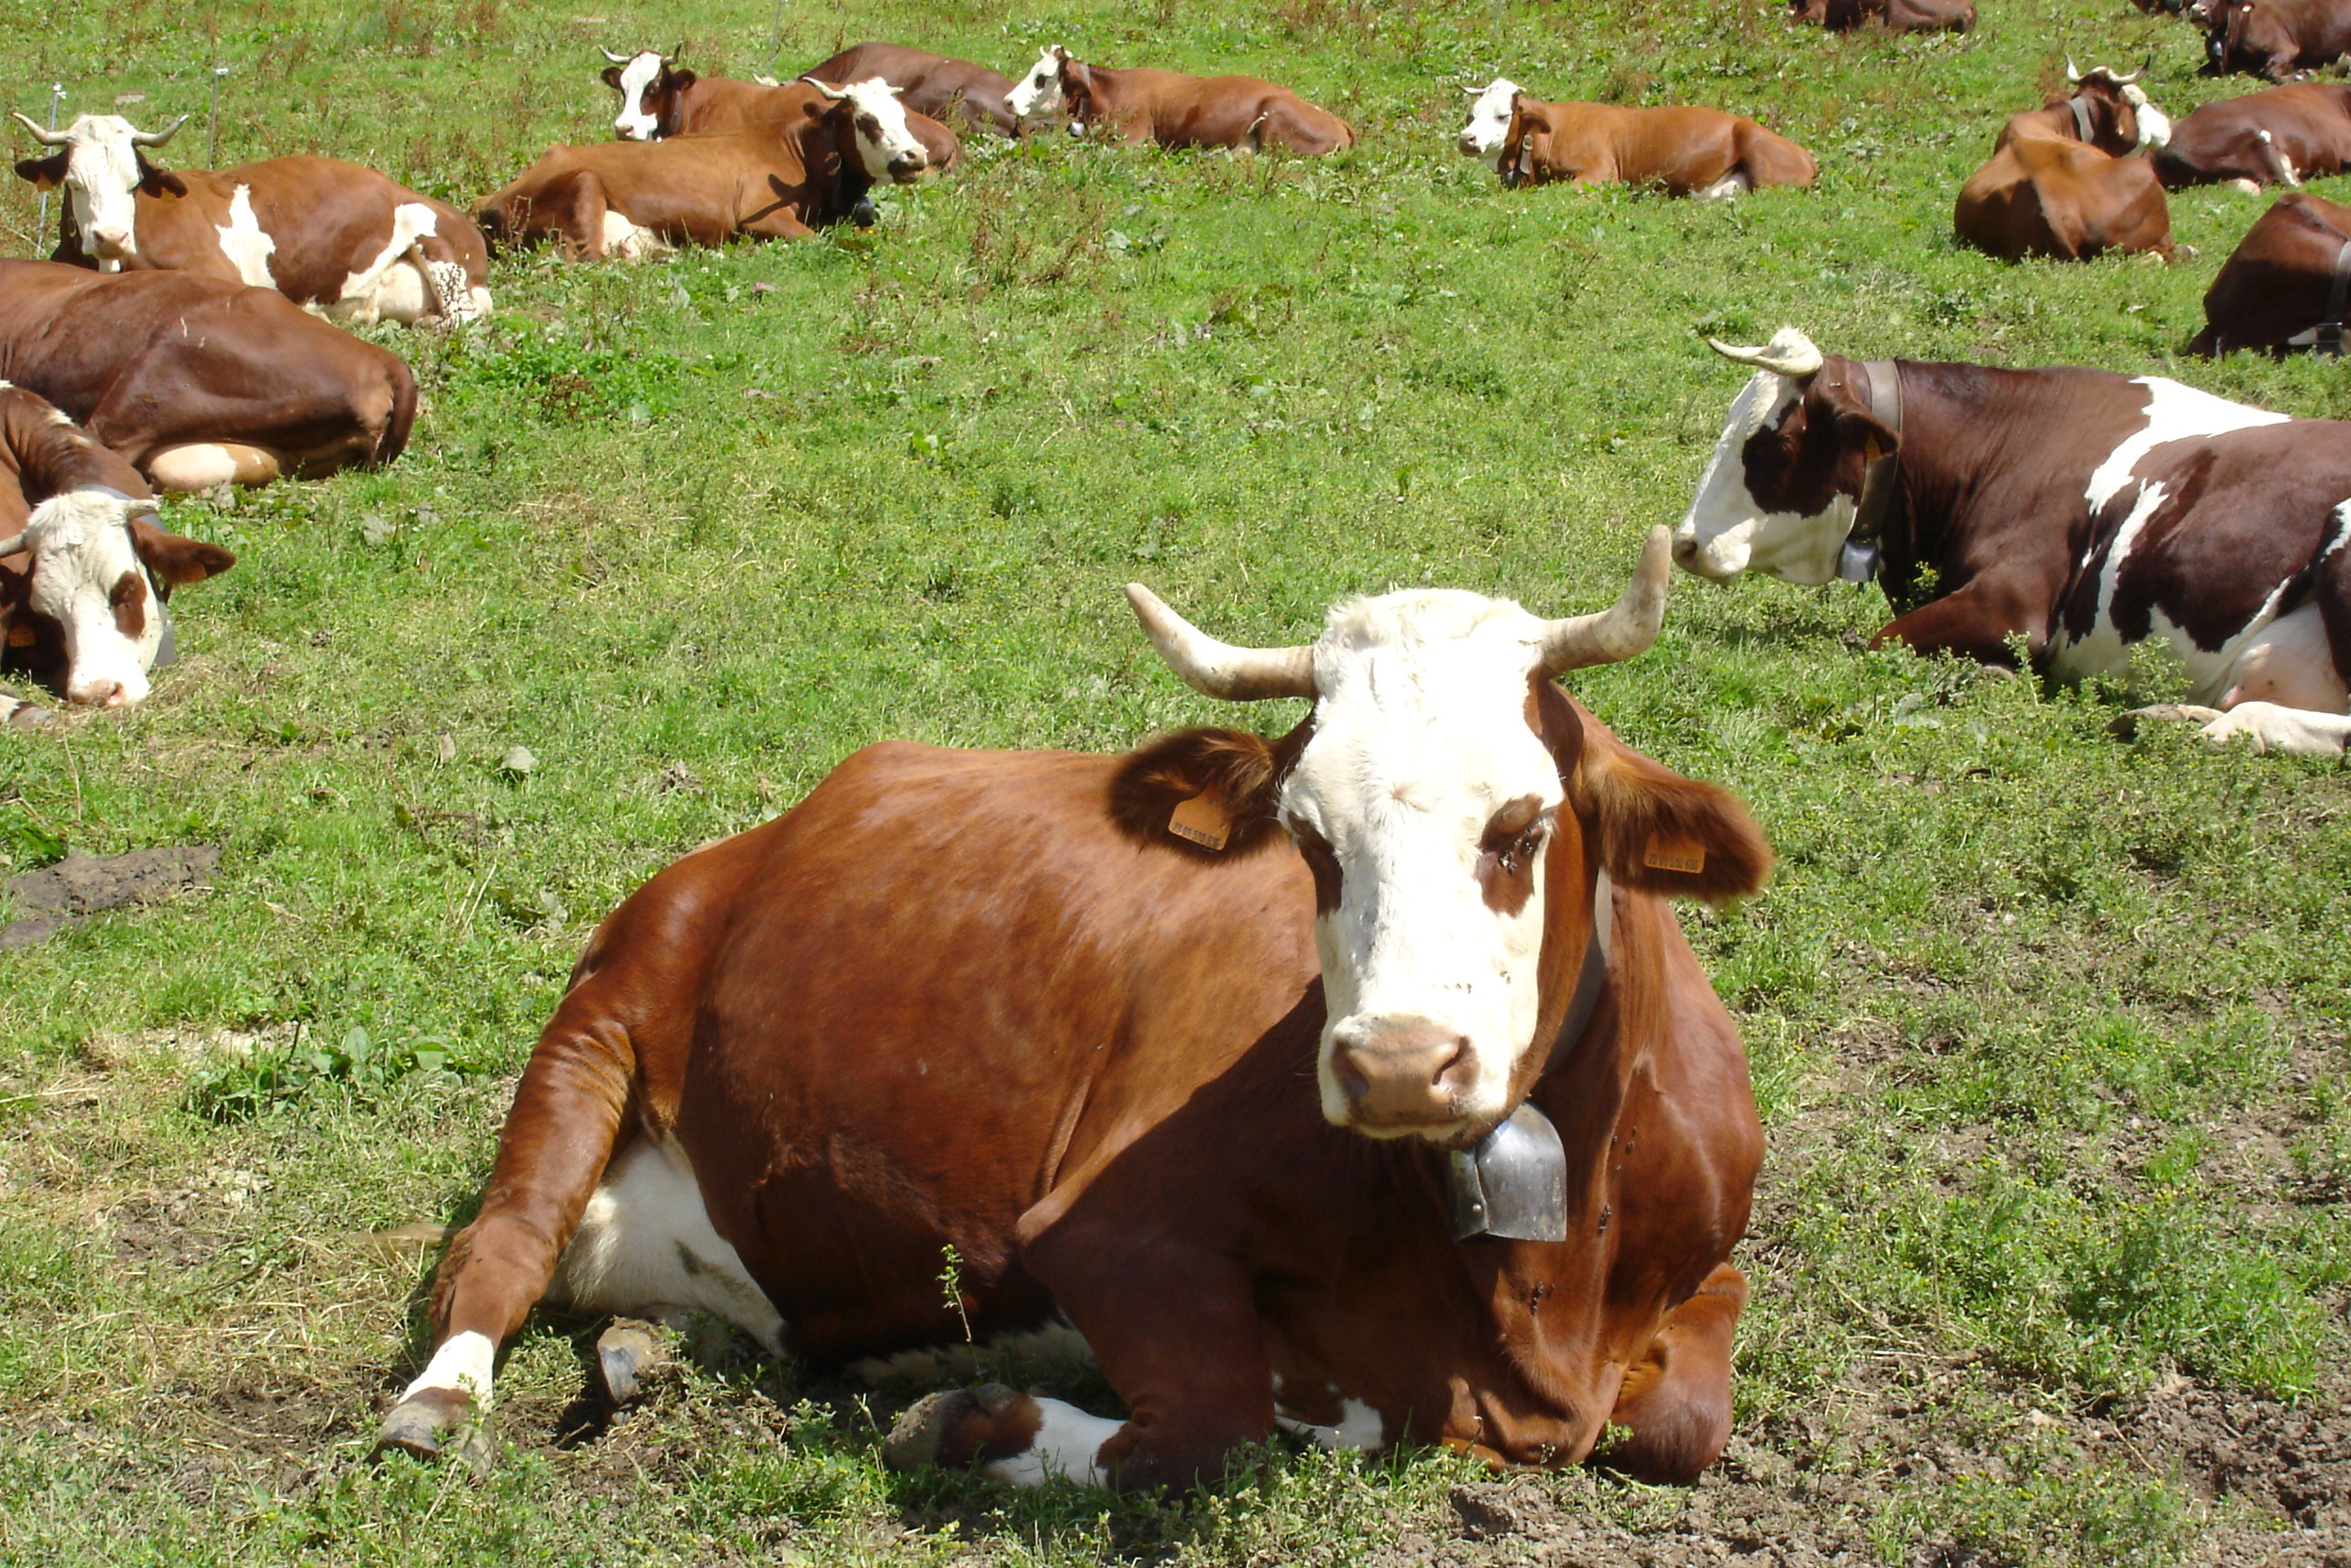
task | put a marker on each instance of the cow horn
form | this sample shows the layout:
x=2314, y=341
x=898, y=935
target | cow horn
x=616, y=59
x=2071, y=73
x=47, y=138
x=1216, y=669
x=828, y=89
x=674, y=53
x=157, y=138
x=10, y=547
x=1789, y=353
x=1625, y=627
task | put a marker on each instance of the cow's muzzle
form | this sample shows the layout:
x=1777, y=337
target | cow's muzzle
x=908, y=167
x=1401, y=1074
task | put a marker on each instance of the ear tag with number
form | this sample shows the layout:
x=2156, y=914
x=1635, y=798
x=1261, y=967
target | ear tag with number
x=1200, y=820
x=21, y=637
x=1669, y=852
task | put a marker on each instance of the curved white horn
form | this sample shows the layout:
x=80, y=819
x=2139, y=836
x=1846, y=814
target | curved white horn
x=1625, y=627
x=47, y=138
x=157, y=138
x=1216, y=669
x=828, y=89
x=1789, y=353
x=2071, y=73
x=10, y=547
x=616, y=59
x=2125, y=81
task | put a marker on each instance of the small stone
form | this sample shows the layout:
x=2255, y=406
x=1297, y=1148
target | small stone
x=518, y=760
x=445, y=749
x=374, y=528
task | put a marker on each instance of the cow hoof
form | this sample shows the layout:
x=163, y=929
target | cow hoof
x=626, y=1354
x=864, y=215
x=29, y=717
x=438, y=1423
x=946, y=1428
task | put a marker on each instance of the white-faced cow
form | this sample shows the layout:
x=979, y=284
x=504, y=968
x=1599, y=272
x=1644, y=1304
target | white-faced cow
x=2271, y=137
x=946, y=89
x=2059, y=181
x=2287, y=284
x=84, y=561
x=2276, y=39
x=779, y=179
x=1115, y=1029
x=196, y=382
x=1898, y=16
x=2084, y=511
x=332, y=237
x=659, y=100
x=1173, y=110
x=1679, y=150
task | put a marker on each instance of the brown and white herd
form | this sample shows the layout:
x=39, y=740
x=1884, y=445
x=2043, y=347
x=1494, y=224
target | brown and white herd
x=1198, y=1049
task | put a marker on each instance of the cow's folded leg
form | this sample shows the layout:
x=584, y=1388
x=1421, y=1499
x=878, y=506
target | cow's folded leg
x=1019, y=1439
x=2274, y=727
x=445, y=1412
x=1675, y=1402
x=626, y=1354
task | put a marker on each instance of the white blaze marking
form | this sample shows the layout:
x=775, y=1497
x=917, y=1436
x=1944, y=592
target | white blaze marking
x=248, y=247
x=1728, y=526
x=646, y=1243
x=1489, y=122
x=463, y=1362
x=1038, y=93
x=1067, y=1440
x=634, y=122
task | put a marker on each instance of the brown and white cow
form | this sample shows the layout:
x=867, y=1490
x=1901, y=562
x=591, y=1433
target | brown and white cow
x=1173, y=110
x=1899, y=16
x=658, y=101
x=196, y=382
x=332, y=237
x=946, y=89
x=2276, y=39
x=2064, y=182
x=84, y=561
x=2287, y=285
x=2275, y=136
x=2084, y=512
x=1681, y=150
x=1114, y=1029
x=779, y=178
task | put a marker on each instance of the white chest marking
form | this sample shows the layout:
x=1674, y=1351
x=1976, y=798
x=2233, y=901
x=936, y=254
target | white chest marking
x=243, y=242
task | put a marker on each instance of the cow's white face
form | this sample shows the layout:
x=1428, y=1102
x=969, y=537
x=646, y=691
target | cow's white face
x=887, y=146
x=1422, y=803
x=636, y=122
x=1727, y=529
x=1037, y=96
x=101, y=187
x=87, y=576
x=2154, y=125
x=1490, y=121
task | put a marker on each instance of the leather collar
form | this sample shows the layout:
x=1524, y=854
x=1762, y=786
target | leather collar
x=1877, y=482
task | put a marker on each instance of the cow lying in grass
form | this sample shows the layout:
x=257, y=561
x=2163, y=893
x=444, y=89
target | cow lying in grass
x=1174, y=110
x=659, y=100
x=2287, y=285
x=2061, y=181
x=1682, y=151
x=2083, y=512
x=2273, y=137
x=1174, y=1044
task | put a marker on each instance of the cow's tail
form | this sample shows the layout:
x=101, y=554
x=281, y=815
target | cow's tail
x=394, y=439
x=1771, y=158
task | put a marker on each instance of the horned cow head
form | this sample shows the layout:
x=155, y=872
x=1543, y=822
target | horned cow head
x=102, y=165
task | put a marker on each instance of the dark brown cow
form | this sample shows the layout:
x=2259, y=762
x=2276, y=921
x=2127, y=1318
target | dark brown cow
x=2275, y=136
x=2084, y=511
x=198, y=382
x=658, y=101
x=84, y=561
x=1899, y=16
x=1174, y=110
x=2276, y=39
x=342, y=240
x=2056, y=184
x=2287, y=285
x=1060, y=1013
x=946, y=89
x=1679, y=150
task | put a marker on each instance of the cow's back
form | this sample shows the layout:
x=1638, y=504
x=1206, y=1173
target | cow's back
x=1035, y=987
x=937, y=85
x=2278, y=282
x=333, y=219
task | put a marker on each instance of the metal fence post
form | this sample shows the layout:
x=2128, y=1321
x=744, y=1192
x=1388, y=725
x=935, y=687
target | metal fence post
x=57, y=96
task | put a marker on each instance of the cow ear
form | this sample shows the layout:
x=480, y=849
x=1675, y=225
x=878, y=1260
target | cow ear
x=177, y=561
x=611, y=75
x=1209, y=789
x=1855, y=422
x=683, y=80
x=46, y=173
x=159, y=182
x=1661, y=832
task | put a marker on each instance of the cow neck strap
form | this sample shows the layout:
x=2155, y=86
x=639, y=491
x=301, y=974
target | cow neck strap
x=1877, y=480
x=2082, y=117
x=1593, y=977
x=2327, y=337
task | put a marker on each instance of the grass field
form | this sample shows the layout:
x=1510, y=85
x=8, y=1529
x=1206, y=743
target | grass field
x=2048, y=1027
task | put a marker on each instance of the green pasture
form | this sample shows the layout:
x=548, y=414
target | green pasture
x=2048, y=1025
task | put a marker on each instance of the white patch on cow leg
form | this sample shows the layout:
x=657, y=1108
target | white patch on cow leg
x=1734, y=184
x=202, y=466
x=1067, y=1440
x=384, y=288
x=458, y=303
x=646, y=1247
x=1359, y=1429
x=2295, y=731
x=243, y=241
x=624, y=239
x=463, y=1363
x=2289, y=662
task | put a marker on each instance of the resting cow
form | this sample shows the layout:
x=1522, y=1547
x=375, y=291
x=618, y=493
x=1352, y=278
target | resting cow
x=1898, y=16
x=2058, y=183
x=940, y=86
x=2287, y=285
x=2082, y=511
x=658, y=100
x=198, y=382
x=780, y=179
x=333, y=237
x=1681, y=151
x=2276, y=39
x=1061, y=1014
x=2275, y=136
x=84, y=561
x=1173, y=110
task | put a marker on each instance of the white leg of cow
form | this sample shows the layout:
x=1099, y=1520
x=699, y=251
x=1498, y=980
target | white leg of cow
x=1015, y=1438
x=2296, y=731
x=206, y=464
x=1734, y=184
x=1359, y=1429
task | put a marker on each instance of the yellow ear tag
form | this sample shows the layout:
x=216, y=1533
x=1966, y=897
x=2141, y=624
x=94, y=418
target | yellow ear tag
x=1667, y=853
x=21, y=637
x=1201, y=821
x=1872, y=450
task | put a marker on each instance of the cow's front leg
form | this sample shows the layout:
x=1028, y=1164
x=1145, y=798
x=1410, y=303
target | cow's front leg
x=1675, y=1402
x=1976, y=622
x=1021, y=1440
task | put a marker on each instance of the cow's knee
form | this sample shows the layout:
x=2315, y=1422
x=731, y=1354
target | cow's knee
x=203, y=464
